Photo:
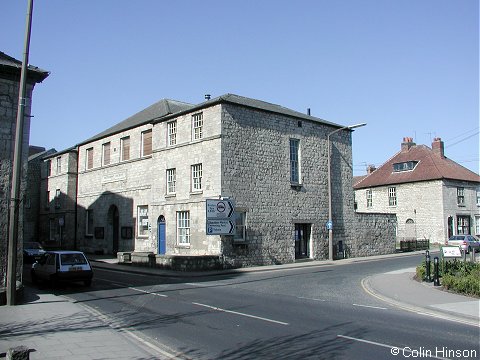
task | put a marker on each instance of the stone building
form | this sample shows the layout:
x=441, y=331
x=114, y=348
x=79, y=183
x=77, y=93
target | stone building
x=32, y=196
x=58, y=193
x=142, y=185
x=432, y=196
x=10, y=71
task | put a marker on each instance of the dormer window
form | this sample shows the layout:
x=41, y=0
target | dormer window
x=404, y=166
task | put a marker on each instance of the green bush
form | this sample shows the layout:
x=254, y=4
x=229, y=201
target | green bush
x=457, y=276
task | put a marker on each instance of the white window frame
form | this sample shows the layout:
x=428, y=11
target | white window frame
x=183, y=228
x=197, y=174
x=392, y=196
x=57, y=198
x=295, y=161
x=460, y=196
x=197, y=126
x=89, y=222
x=478, y=197
x=142, y=221
x=59, y=165
x=172, y=133
x=171, y=180
x=369, y=196
x=240, y=234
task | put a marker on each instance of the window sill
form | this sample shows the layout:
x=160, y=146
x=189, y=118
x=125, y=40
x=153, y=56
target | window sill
x=295, y=185
x=183, y=246
x=172, y=195
x=196, y=192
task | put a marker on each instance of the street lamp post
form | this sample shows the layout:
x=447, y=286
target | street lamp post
x=329, y=155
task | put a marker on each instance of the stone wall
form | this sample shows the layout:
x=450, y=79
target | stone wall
x=172, y=262
x=8, y=112
x=256, y=175
x=372, y=234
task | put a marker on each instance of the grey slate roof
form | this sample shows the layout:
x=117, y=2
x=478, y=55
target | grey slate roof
x=158, y=110
x=165, y=109
x=260, y=105
x=10, y=66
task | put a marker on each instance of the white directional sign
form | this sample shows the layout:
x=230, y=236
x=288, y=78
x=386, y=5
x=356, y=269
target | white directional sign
x=219, y=209
x=220, y=217
x=220, y=227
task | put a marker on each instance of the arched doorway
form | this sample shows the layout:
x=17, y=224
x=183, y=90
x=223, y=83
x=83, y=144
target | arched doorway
x=162, y=241
x=410, y=230
x=113, y=227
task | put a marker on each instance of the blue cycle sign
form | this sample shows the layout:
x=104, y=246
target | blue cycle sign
x=220, y=217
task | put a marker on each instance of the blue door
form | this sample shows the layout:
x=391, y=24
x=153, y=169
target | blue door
x=161, y=236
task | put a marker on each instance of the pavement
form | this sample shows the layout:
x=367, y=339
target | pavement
x=56, y=327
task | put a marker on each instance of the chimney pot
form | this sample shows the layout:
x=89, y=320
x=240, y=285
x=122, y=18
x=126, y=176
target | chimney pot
x=438, y=147
x=407, y=143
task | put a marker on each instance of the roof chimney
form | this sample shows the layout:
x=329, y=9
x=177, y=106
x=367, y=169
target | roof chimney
x=407, y=143
x=371, y=169
x=438, y=147
x=308, y=112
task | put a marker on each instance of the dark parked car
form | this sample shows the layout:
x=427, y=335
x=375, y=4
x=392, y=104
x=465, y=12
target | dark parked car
x=32, y=251
x=465, y=242
x=56, y=266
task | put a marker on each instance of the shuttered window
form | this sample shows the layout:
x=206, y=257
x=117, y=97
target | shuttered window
x=89, y=164
x=147, y=143
x=106, y=154
x=125, y=148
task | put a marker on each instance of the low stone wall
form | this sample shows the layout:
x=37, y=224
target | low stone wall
x=171, y=262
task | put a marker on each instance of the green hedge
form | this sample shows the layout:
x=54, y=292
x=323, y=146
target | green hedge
x=456, y=276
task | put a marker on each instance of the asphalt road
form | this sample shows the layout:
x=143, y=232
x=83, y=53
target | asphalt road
x=310, y=313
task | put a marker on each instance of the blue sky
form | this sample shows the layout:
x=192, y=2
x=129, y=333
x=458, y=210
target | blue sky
x=405, y=67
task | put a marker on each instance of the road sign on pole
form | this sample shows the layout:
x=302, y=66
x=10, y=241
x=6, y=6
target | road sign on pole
x=220, y=217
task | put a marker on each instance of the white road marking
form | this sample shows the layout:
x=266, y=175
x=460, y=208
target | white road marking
x=370, y=306
x=241, y=314
x=148, y=292
x=394, y=350
x=307, y=298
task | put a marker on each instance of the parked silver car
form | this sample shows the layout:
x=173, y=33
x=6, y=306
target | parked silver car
x=55, y=266
x=465, y=242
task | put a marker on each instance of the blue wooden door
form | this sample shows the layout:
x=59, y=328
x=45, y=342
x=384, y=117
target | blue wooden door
x=161, y=237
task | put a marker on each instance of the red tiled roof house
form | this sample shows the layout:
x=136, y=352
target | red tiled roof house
x=432, y=196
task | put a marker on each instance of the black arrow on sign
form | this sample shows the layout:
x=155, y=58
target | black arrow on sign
x=232, y=209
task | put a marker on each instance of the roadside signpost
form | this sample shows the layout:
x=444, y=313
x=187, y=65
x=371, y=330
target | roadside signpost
x=220, y=217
